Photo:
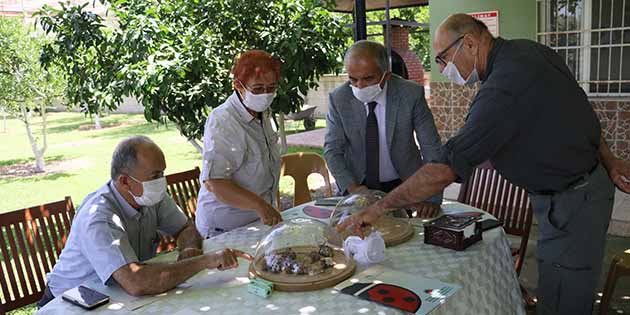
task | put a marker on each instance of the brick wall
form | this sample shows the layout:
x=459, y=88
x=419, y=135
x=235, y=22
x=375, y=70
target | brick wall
x=400, y=44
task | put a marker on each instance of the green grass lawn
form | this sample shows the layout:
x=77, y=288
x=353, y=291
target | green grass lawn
x=78, y=158
x=79, y=155
x=292, y=126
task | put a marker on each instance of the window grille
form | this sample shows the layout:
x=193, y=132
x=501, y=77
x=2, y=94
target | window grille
x=593, y=37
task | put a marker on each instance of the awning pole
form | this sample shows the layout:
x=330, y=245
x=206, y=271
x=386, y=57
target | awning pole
x=388, y=30
x=360, y=23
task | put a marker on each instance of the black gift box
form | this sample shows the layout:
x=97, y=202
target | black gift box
x=448, y=231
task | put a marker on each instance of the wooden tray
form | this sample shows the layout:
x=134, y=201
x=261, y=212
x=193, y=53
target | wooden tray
x=395, y=231
x=295, y=283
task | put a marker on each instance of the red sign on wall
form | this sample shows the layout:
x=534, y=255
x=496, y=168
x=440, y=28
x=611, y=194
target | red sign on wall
x=490, y=18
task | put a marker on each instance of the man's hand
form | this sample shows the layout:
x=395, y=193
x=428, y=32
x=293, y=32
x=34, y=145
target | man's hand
x=355, y=188
x=426, y=209
x=619, y=172
x=227, y=258
x=269, y=215
x=189, y=252
x=359, y=220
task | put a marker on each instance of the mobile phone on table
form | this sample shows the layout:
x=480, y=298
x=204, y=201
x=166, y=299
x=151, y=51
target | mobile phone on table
x=489, y=224
x=85, y=297
x=330, y=202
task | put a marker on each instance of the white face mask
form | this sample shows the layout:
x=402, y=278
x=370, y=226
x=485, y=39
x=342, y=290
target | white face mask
x=368, y=93
x=257, y=102
x=452, y=73
x=153, y=192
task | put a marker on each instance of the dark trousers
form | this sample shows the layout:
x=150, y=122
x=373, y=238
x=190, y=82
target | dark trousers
x=389, y=186
x=572, y=226
x=47, y=297
x=385, y=186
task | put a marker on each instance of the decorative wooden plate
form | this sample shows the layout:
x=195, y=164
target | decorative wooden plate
x=394, y=230
x=342, y=270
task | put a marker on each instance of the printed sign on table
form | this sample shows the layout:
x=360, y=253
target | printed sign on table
x=403, y=291
x=312, y=212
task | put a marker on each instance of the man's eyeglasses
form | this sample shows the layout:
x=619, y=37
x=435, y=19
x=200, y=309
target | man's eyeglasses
x=439, y=59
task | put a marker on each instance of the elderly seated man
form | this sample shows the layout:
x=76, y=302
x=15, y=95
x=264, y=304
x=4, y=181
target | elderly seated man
x=116, y=229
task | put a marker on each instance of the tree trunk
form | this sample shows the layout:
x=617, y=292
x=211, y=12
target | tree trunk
x=39, y=156
x=196, y=145
x=44, y=147
x=97, y=121
x=4, y=121
x=282, y=134
x=193, y=142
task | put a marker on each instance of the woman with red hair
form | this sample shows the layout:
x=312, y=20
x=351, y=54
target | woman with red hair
x=241, y=160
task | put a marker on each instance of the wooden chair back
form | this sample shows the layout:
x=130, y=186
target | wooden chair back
x=486, y=189
x=299, y=166
x=184, y=187
x=31, y=241
x=619, y=268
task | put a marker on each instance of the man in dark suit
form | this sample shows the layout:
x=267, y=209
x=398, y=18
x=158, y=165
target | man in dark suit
x=371, y=123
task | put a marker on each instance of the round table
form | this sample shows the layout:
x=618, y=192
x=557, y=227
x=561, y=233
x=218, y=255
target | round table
x=485, y=271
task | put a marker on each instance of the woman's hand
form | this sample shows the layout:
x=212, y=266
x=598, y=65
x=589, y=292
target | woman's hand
x=269, y=215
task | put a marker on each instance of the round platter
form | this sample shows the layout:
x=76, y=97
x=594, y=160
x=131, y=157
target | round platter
x=394, y=230
x=343, y=268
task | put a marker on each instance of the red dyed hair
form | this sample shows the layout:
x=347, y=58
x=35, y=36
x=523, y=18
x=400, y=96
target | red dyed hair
x=253, y=63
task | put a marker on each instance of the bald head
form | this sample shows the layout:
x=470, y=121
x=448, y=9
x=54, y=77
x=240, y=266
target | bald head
x=464, y=41
x=460, y=24
x=370, y=50
x=136, y=154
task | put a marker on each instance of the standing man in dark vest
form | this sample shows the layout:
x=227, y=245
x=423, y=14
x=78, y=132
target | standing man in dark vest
x=535, y=124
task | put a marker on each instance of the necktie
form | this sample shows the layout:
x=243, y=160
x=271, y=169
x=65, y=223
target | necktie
x=371, y=149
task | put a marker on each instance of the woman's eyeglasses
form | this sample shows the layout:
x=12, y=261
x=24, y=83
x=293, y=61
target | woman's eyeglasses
x=260, y=89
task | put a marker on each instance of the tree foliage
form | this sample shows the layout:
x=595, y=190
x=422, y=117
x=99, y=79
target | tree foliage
x=81, y=50
x=22, y=79
x=25, y=86
x=419, y=39
x=175, y=56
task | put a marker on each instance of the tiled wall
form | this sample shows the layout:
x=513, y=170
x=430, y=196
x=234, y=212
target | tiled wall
x=449, y=104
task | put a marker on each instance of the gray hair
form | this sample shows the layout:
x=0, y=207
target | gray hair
x=461, y=24
x=125, y=157
x=369, y=48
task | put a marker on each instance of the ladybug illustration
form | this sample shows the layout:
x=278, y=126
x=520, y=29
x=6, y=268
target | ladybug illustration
x=317, y=212
x=386, y=294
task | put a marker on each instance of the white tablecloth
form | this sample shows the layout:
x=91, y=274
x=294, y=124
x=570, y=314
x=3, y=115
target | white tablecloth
x=485, y=271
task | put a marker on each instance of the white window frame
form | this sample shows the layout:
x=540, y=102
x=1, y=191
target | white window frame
x=585, y=31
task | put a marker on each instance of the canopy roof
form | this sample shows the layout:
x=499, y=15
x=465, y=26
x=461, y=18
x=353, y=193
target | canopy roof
x=371, y=5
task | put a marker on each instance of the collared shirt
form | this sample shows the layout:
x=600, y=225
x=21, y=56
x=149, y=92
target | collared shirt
x=242, y=148
x=386, y=171
x=108, y=233
x=530, y=118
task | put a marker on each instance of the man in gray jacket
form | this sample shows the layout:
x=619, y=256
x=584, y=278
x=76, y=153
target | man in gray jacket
x=371, y=123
